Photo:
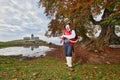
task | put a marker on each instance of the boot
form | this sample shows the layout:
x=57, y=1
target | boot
x=69, y=63
x=71, y=69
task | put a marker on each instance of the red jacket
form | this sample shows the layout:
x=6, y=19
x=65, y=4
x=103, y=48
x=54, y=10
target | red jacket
x=66, y=32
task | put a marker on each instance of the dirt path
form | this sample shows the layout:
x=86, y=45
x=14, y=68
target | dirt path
x=81, y=55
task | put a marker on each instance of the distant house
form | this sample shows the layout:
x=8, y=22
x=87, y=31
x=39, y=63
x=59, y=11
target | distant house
x=32, y=38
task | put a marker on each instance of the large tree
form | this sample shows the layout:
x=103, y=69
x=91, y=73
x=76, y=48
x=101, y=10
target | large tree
x=81, y=13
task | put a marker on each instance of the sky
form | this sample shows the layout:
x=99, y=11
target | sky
x=21, y=18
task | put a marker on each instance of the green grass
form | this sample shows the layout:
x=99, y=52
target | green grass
x=20, y=43
x=49, y=68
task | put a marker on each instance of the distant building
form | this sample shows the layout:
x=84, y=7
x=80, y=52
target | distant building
x=32, y=38
x=26, y=38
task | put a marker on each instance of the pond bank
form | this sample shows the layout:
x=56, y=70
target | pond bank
x=82, y=55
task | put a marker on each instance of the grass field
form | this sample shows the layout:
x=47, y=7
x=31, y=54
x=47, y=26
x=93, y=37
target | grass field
x=49, y=68
x=20, y=43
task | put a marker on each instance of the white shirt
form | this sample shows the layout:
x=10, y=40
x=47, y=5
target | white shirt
x=71, y=36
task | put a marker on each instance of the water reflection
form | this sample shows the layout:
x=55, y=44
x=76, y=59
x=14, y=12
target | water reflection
x=28, y=51
x=32, y=47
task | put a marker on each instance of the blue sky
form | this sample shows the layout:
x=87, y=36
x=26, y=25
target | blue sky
x=20, y=18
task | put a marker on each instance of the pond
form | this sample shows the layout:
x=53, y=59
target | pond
x=31, y=51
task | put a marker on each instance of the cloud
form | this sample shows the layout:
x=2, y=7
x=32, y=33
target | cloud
x=21, y=17
x=7, y=27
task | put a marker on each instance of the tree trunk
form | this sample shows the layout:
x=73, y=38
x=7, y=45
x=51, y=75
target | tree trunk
x=102, y=40
x=107, y=36
x=114, y=39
